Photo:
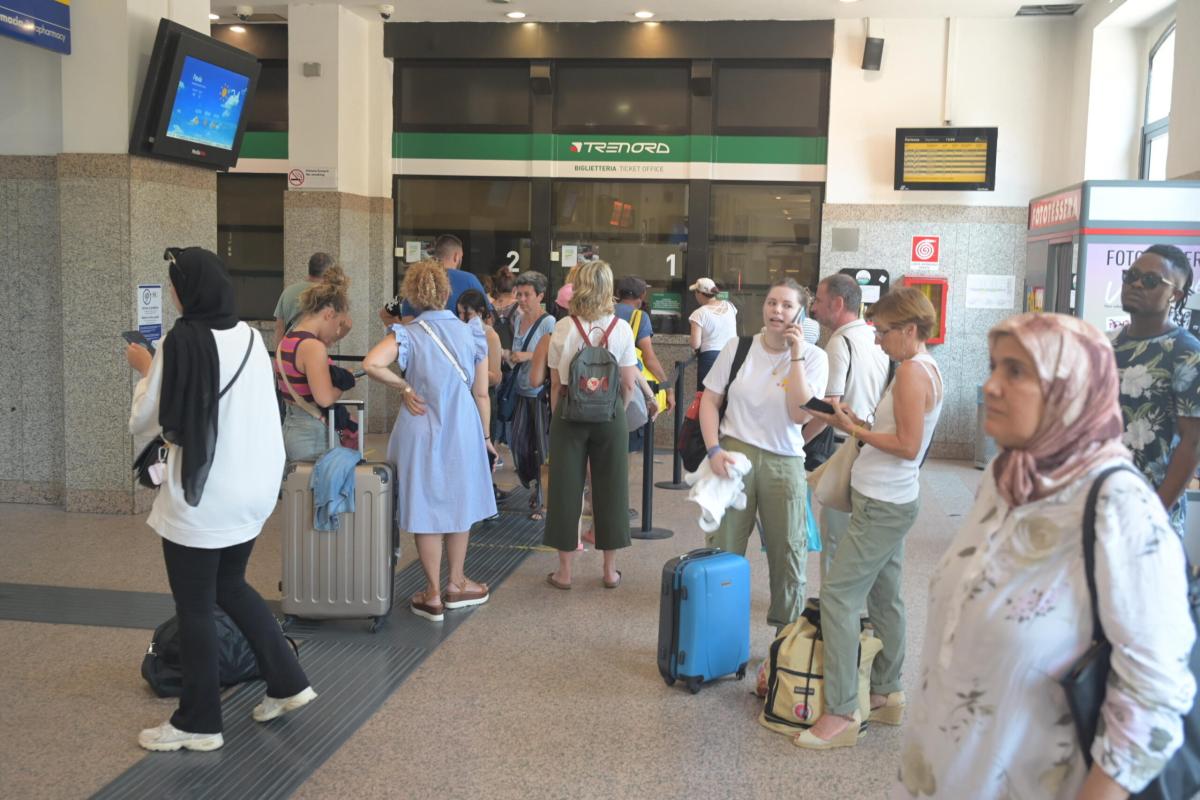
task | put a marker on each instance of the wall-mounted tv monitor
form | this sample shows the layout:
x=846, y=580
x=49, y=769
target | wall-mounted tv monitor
x=194, y=99
x=946, y=159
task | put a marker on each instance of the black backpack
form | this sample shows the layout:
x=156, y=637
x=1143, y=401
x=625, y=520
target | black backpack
x=691, y=440
x=161, y=665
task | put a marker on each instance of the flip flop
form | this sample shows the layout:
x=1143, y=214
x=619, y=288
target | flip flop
x=613, y=584
x=550, y=580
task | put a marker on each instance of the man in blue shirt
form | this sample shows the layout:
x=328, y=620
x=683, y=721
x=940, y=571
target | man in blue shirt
x=448, y=249
x=631, y=295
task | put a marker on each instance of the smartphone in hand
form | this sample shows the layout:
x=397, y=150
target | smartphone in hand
x=136, y=337
x=817, y=404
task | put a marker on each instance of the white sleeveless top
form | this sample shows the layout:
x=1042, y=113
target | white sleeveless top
x=885, y=477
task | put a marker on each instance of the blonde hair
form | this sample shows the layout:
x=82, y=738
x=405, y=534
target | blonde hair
x=592, y=291
x=331, y=292
x=903, y=306
x=426, y=286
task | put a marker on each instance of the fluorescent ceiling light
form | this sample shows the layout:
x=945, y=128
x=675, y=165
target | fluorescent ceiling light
x=214, y=17
x=515, y=15
x=643, y=14
x=237, y=29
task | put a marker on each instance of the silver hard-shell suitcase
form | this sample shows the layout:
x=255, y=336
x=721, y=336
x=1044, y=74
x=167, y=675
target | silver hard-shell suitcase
x=345, y=573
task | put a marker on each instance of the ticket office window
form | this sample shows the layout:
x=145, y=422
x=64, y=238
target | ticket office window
x=490, y=215
x=639, y=228
x=250, y=239
x=760, y=233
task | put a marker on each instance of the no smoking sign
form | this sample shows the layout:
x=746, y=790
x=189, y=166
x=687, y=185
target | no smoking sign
x=926, y=251
x=296, y=178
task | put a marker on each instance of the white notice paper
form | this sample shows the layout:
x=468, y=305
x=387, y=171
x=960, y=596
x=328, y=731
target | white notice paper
x=570, y=255
x=870, y=294
x=990, y=291
x=412, y=252
x=148, y=302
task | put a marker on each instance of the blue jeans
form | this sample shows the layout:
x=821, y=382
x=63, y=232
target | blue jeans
x=304, y=438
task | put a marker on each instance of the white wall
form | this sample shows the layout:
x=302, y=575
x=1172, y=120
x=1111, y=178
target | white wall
x=1005, y=73
x=1116, y=106
x=1183, y=151
x=30, y=100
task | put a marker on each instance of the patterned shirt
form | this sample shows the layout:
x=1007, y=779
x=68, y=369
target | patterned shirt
x=1160, y=382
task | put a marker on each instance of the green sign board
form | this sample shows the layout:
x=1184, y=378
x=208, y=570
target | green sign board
x=666, y=303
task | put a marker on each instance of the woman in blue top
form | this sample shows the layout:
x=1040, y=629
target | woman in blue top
x=439, y=432
x=531, y=419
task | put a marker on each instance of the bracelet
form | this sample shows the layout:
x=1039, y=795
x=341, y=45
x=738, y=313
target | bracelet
x=712, y=451
x=487, y=438
x=801, y=358
x=405, y=390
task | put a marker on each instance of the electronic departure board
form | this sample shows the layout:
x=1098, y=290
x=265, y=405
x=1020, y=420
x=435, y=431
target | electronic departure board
x=946, y=159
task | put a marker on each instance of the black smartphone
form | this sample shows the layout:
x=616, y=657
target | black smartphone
x=817, y=404
x=136, y=337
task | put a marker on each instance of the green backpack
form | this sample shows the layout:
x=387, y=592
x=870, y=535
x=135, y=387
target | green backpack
x=594, y=382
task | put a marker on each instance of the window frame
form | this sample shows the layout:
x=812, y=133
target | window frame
x=822, y=127
x=618, y=130
x=1152, y=129
x=474, y=64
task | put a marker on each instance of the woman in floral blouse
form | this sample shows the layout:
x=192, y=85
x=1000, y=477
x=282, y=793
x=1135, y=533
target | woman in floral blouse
x=1009, y=608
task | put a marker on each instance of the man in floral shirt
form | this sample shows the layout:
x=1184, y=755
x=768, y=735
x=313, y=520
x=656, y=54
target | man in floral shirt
x=1159, y=364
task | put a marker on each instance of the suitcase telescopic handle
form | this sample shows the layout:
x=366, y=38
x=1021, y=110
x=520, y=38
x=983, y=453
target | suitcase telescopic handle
x=362, y=427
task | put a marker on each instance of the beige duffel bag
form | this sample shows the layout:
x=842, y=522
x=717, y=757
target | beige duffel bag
x=795, y=675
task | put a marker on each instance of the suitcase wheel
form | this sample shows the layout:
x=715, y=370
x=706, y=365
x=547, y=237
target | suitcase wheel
x=375, y=623
x=741, y=673
x=693, y=685
x=670, y=681
x=286, y=622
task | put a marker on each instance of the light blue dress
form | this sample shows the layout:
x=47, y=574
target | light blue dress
x=443, y=484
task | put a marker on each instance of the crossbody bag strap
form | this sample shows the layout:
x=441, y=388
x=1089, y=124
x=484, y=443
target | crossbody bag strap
x=242, y=366
x=445, y=351
x=296, y=398
x=739, y=358
x=1089, y=547
x=529, y=333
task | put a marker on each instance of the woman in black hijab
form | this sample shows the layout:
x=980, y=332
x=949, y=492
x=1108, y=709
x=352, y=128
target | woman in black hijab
x=209, y=390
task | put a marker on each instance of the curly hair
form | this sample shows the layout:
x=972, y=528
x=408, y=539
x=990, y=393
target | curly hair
x=426, y=286
x=593, y=290
x=331, y=292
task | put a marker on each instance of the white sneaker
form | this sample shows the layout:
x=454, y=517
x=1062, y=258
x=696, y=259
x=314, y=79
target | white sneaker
x=272, y=707
x=168, y=737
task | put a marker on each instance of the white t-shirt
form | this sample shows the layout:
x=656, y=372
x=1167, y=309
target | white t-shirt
x=858, y=370
x=757, y=412
x=718, y=324
x=243, y=482
x=565, y=342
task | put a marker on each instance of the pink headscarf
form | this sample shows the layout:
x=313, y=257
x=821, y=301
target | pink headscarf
x=1081, y=423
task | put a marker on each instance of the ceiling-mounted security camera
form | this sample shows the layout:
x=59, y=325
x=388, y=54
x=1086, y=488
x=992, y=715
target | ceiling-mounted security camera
x=244, y=12
x=386, y=10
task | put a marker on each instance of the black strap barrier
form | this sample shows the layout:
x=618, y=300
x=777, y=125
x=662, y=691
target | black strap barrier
x=647, y=529
x=681, y=406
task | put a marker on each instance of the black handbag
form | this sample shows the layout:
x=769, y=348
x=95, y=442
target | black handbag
x=821, y=447
x=691, y=439
x=151, y=464
x=1086, y=683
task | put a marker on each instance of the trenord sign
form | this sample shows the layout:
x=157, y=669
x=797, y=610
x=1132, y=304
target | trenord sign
x=632, y=148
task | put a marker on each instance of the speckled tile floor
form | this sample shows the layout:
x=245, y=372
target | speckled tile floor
x=540, y=694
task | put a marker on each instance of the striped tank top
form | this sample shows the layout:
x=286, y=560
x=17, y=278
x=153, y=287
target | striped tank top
x=287, y=354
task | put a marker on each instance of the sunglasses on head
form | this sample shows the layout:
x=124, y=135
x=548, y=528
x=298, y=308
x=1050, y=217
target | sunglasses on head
x=172, y=253
x=1148, y=280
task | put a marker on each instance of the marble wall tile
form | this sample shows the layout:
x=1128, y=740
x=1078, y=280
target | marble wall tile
x=383, y=403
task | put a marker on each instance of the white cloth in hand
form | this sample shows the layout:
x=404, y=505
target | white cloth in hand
x=714, y=494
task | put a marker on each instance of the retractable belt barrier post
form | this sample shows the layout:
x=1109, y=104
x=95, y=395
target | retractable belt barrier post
x=676, y=481
x=647, y=529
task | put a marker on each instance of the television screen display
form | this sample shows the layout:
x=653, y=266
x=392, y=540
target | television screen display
x=946, y=159
x=208, y=104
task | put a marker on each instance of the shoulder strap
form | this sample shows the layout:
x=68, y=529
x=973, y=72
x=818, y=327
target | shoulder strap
x=587, y=340
x=849, y=358
x=245, y=358
x=1089, y=546
x=529, y=333
x=635, y=322
x=608, y=330
x=445, y=351
x=739, y=358
x=296, y=398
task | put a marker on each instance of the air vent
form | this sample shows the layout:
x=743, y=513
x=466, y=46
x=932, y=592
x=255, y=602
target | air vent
x=1049, y=10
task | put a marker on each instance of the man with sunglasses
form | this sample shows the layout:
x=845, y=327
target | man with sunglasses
x=1159, y=364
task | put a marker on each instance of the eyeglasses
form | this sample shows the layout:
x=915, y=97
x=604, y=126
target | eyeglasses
x=881, y=331
x=1148, y=280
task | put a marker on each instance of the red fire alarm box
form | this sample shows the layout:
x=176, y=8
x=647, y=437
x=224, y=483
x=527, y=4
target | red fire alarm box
x=936, y=290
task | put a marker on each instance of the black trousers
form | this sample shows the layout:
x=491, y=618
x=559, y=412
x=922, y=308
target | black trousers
x=200, y=580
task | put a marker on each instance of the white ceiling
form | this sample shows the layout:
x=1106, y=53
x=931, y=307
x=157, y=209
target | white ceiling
x=622, y=10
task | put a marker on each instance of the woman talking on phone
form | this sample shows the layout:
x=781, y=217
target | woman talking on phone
x=763, y=421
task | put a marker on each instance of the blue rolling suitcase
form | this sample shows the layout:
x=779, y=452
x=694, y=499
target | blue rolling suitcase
x=704, y=617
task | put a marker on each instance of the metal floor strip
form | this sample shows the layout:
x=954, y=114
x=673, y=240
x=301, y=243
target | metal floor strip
x=67, y=605
x=353, y=671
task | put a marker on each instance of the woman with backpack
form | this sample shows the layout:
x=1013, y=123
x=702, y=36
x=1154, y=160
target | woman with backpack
x=592, y=368
x=207, y=391
x=439, y=443
x=1010, y=607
